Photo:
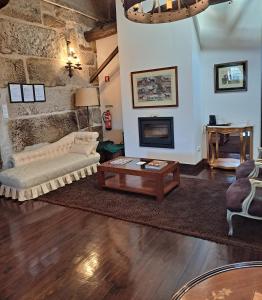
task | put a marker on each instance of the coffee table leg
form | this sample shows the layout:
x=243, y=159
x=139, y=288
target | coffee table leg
x=176, y=174
x=160, y=189
x=122, y=179
x=101, y=179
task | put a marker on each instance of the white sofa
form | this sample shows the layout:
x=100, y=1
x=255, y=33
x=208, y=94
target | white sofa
x=42, y=170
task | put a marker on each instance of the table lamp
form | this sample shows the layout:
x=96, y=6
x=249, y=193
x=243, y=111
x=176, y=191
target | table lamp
x=86, y=97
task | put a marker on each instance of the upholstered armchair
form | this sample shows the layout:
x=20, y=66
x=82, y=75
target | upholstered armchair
x=250, y=168
x=244, y=198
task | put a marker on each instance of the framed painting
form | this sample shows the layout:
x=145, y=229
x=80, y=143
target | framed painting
x=231, y=77
x=28, y=93
x=15, y=92
x=39, y=91
x=155, y=88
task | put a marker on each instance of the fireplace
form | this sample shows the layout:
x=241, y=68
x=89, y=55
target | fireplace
x=156, y=132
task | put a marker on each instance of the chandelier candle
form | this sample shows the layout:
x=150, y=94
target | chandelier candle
x=169, y=4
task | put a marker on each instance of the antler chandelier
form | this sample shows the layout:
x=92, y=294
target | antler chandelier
x=162, y=11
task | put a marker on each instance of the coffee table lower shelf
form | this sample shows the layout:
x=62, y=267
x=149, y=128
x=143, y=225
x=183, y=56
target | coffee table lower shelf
x=140, y=185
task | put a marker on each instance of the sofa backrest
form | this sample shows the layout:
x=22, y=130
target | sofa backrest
x=54, y=149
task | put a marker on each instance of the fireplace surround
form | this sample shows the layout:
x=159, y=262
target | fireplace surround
x=157, y=132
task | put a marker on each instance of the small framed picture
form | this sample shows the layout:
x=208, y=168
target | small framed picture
x=39, y=90
x=28, y=93
x=15, y=93
x=231, y=77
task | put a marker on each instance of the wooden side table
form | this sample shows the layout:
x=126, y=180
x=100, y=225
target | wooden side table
x=231, y=282
x=246, y=138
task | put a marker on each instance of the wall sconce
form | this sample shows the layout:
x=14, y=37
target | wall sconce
x=73, y=62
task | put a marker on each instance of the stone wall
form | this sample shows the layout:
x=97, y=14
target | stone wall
x=33, y=49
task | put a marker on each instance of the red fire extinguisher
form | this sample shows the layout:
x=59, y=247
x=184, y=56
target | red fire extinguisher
x=107, y=118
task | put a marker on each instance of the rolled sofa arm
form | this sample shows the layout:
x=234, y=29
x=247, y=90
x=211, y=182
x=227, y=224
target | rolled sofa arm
x=85, y=136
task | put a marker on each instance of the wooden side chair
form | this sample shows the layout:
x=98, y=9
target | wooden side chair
x=244, y=198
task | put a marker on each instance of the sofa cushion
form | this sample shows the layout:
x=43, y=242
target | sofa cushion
x=236, y=194
x=85, y=148
x=41, y=171
x=245, y=169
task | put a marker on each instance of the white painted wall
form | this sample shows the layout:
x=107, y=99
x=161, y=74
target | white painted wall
x=110, y=93
x=153, y=46
x=145, y=47
x=235, y=107
x=197, y=101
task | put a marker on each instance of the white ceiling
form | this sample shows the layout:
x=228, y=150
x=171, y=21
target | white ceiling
x=232, y=25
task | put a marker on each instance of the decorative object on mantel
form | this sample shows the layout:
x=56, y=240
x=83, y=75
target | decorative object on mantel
x=160, y=11
x=231, y=77
x=86, y=97
x=155, y=88
x=73, y=62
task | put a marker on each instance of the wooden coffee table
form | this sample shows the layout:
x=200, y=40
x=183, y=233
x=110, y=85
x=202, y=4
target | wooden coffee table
x=134, y=178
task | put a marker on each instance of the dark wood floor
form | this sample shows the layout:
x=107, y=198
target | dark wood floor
x=53, y=252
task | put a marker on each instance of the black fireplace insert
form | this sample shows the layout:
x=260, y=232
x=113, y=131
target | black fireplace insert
x=156, y=132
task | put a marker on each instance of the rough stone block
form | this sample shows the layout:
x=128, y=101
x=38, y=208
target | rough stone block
x=80, y=31
x=82, y=117
x=53, y=22
x=30, y=40
x=98, y=129
x=87, y=58
x=95, y=116
x=57, y=99
x=69, y=16
x=80, y=77
x=26, y=132
x=28, y=10
x=47, y=8
x=47, y=71
x=12, y=70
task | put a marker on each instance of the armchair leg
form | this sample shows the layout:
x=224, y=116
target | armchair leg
x=229, y=221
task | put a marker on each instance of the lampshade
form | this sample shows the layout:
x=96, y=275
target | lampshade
x=86, y=97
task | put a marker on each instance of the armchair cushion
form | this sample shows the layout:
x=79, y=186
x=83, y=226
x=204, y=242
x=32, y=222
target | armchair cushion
x=237, y=193
x=245, y=169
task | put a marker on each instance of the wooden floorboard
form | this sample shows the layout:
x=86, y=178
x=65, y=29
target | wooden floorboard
x=53, y=252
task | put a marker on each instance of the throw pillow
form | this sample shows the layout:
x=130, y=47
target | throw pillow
x=87, y=148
